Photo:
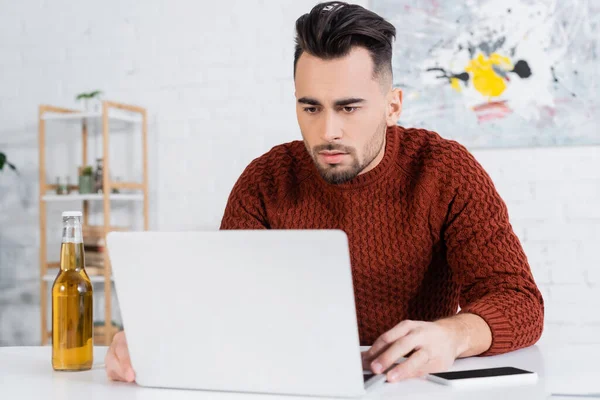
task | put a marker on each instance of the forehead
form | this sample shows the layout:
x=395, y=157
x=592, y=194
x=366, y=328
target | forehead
x=351, y=75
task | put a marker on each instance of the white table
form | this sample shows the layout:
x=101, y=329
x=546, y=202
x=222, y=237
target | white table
x=26, y=373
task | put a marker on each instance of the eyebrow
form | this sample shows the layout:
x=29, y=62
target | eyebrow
x=337, y=103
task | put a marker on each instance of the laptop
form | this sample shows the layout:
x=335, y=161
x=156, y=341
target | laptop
x=241, y=310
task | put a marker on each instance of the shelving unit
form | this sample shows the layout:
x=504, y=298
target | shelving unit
x=92, y=197
x=111, y=111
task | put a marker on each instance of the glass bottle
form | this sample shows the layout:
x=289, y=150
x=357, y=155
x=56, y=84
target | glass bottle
x=59, y=186
x=72, y=302
x=98, y=177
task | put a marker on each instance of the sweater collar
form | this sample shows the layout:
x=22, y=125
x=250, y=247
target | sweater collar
x=385, y=165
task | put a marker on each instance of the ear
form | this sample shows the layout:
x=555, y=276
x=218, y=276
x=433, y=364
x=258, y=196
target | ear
x=394, y=108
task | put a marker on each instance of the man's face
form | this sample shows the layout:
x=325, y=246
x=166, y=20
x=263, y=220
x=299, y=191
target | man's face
x=343, y=113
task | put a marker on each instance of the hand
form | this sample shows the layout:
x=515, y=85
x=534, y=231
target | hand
x=117, y=362
x=430, y=347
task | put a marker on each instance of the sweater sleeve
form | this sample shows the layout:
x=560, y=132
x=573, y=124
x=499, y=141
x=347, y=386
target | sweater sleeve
x=245, y=207
x=488, y=261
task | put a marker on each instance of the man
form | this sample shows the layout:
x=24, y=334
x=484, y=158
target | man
x=428, y=232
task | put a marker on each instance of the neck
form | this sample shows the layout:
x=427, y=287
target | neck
x=71, y=256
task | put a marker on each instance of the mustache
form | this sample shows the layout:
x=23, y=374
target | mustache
x=333, y=147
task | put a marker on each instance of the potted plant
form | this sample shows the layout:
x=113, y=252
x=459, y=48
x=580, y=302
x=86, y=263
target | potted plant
x=86, y=180
x=4, y=161
x=91, y=100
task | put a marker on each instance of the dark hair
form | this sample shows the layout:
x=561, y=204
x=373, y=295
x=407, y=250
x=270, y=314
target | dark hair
x=330, y=30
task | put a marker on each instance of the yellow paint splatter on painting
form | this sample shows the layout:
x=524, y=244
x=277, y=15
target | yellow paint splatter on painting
x=485, y=80
x=455, y=83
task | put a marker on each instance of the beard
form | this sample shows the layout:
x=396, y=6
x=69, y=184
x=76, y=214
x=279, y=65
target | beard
x=341, y=173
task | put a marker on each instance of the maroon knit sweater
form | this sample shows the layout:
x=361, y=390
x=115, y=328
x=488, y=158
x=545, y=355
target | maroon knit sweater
x=427, y=229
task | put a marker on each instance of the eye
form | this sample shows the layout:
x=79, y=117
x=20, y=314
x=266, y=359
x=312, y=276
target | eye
x=310, y=110
x=349, y=110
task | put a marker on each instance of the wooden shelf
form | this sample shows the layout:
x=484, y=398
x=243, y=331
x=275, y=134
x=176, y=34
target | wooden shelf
x=79, y=116
x=100, y=230
x=93, y=197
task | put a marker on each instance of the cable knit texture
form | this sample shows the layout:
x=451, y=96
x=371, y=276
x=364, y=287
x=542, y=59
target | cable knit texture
x=427, y=231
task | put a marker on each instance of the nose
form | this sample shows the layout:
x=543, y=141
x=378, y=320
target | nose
x=331, y=128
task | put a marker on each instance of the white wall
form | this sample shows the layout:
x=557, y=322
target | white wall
x=553, y=198
x=217, y=81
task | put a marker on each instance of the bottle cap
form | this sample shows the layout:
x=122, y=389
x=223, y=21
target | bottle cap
x=72, y=214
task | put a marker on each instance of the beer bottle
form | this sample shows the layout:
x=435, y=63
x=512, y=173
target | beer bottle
x=72, y=320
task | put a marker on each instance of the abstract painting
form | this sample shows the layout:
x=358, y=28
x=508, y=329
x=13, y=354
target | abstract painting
x=489, y=73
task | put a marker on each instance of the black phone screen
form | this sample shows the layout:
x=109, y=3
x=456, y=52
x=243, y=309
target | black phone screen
x=367, y=376
x=481, y=373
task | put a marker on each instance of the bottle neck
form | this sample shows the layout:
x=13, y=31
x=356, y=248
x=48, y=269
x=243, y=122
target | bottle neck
x=71, y=232
x=71, y=251
x=71, y=256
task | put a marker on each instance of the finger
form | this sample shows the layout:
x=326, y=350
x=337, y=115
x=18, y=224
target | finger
x=113, y=368
x=126, y=368
x=414, y=366
x=109, y=360
x=398, y=349
x=118, y=364
x=113, y=374
x=387, y=339
x=122, y=353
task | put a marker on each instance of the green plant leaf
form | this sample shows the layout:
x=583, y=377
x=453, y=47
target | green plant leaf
x=4, y=161
x=89, y=95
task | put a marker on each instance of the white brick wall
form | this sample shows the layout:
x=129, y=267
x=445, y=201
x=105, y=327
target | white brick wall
x=217, y=81
x=553, y=198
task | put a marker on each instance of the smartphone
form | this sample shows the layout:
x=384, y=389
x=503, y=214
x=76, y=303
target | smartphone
x=370, y=379
x=486, y=376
